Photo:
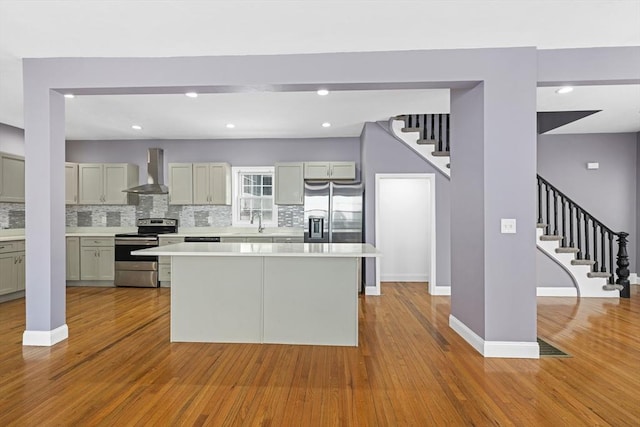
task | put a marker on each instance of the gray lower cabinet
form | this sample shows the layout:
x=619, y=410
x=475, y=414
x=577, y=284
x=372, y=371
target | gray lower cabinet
x=73, y=258
x=97, y=258
x=12, y=266
x=164, y=262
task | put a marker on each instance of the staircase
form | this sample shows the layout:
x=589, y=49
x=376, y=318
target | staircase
x=582, y=245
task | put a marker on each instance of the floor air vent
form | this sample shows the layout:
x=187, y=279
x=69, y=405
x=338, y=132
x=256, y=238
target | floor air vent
x=547, y=350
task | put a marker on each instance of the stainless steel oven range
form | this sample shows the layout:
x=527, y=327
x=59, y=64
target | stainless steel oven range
x=140, y=271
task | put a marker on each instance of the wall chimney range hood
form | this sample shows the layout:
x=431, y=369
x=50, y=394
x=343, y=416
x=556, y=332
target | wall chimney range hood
x=155, y=178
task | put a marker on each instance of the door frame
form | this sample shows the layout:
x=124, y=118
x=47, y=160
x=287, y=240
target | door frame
x=431, y=178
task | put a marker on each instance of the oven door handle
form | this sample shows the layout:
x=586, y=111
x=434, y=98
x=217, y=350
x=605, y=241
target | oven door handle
x=136, y=243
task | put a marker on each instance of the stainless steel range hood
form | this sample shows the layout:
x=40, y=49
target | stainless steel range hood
x=155, y=179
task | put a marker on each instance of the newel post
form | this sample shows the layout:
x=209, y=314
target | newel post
x=623, y=266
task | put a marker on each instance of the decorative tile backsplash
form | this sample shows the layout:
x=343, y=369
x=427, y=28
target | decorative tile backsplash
x=149, y=206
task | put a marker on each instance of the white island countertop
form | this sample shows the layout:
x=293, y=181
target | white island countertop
x=341, y=250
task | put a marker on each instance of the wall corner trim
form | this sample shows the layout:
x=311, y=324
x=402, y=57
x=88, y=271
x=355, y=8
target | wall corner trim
x=45, y=338
x=501, y=349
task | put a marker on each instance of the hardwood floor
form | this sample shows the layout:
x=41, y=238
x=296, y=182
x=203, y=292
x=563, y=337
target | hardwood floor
x=119, y=368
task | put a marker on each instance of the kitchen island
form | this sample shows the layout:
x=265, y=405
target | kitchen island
x=284, y=293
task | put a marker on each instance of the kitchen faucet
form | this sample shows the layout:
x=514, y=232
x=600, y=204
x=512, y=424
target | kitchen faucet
x=253, y=214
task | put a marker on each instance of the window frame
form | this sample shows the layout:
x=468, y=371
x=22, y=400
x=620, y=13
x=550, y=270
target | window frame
x=236, y=188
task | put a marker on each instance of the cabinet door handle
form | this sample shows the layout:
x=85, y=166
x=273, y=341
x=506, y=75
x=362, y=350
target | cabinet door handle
x=2, y=247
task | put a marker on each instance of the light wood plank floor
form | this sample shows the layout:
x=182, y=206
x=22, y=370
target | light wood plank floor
x=118, y=368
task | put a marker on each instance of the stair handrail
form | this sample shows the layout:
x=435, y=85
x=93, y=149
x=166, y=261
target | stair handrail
x=560, y=193
x=622, y=259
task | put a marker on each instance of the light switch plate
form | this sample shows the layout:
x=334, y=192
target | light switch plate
x=508, y=226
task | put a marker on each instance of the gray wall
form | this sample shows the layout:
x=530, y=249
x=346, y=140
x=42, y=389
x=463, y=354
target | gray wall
x=550, y=275
x=382, y=153
x=638, y=204
x=237, y=152
x=11, y=139
x=610, y=192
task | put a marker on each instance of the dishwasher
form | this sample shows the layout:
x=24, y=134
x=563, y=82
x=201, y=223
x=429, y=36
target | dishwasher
x=204, y=239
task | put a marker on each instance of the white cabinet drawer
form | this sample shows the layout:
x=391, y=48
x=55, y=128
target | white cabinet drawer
x=96, y=241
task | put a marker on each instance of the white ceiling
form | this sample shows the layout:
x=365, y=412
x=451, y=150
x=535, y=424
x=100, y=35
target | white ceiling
x=185, y=28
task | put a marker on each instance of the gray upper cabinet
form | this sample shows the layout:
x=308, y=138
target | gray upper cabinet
x=11, y=178
x=102, y=183
x=180, y=183
x=330, y=170
x=211, y=184
x=289, y=183
x=71, y=183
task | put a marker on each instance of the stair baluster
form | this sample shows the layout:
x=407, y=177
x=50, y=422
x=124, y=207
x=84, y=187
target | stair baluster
x=603, y=268
x=539, y=202
x=571, y=242
x=447, y=139
x=555, y=212
x=579, y=255
x=595, y=246
x=433, y=126
x=586, y=236
x=611, y=278
x=564, y=222
x=440, y=132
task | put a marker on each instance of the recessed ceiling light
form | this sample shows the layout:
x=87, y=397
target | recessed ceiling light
x=191, y=94
x=136, y=127
x=322, y=92
x=326, y=125
x=230, y=125
x=69, y=95
x=565, y=89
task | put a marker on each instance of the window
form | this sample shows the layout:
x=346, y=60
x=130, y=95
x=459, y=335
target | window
x=253, y=196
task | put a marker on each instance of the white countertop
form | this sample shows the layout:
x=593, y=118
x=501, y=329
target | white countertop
x=346, y=250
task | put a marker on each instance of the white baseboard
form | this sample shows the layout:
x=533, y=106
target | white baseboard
x=633, y=279
x=45, y=338
x=372, y=290
x=504, y=349
x=440, y=290
x=556, y=292
x=404, y=278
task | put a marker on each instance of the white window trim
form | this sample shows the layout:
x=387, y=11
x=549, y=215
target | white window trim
x=235, y=183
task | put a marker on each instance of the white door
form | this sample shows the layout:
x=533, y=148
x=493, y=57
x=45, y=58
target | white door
x=404, y=232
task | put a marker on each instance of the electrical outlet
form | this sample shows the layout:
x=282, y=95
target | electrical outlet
x=508, y=226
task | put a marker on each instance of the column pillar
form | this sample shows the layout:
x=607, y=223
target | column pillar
x=493, y=177
x=45, y=212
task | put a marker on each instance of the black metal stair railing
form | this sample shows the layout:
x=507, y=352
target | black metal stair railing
x=433, y=128
x=580, y=230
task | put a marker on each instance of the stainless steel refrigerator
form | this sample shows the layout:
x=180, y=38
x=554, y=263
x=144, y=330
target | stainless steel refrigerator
x=333, y=212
